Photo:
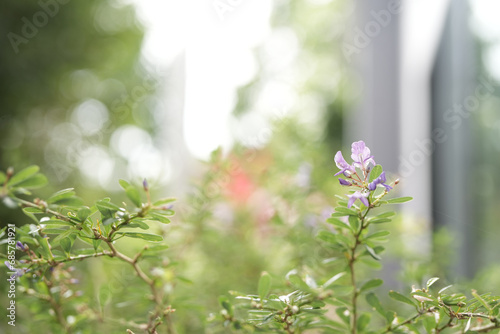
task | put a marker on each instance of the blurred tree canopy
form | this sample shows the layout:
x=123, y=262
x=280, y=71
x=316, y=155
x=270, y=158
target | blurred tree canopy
x=302, y=68
x=67, y=74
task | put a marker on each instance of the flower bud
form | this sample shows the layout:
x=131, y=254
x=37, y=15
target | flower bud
x=344, y=182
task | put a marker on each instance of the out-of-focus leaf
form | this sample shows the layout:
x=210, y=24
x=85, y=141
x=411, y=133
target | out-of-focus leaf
x=333, y=279
x=163, y=201
x=133, y=194
x=431, y=281
x=343, y=314
x=61, y=194
x=138, y=223
x=345, y=211
x=376, y=171
x=35, y=181
x=429, y=322
x=23, y=175
x=363, y=321
x=354, y=223
x=159, y=217
x=224, y=302
x=399, y=200
x=3, y=177
x=378, y=235
x=30, y=212
x=66, y=245
x=298, y=282
x=374, y=302
x=144, y=236
x=264, y=285
x=372, y=253
x=337, y=222
x=83, y=213
x=399, y=297
x=371, y=284
x=63, y=235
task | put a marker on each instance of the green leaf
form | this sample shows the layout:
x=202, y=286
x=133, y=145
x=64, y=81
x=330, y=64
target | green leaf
x=354, y=223
x=343, y=314
x=379, y=220
x=372, y=253
x=23, y=175
x=376, y=171
x=264, y=285
x=445, y=288
x=70, y=201
x=61, y=194
x=145, y=236
x=337, y=222
x=44, y=243
x=124, y=184
x=345, y=211
x=387, y=214
x=399, y=297
x=224, y=302
x=156, y=248
x=35, y=181
x=371, y=284
x=104, y=204
x=83, y=213
x=133, y=195
x=30, y=212
x=378, y=235
x=298, y=282
x=429, y=322
x=63, y=235
x=138, y=223
x=164, y=201
x=96, y=243
x=57, y=222
x=159, y=217
x=3, y=177
x=481, y=300
x=363, y=321
x=399, y=200
x=66, y=245
x=333, y=279
x=431, y=281
x=374, y=302
x=371, y=263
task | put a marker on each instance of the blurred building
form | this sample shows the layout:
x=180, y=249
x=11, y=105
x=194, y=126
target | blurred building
x=417, y=71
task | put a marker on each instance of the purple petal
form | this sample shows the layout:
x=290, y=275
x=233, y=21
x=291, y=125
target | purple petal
x=20, y=246
x=351, y=201
x=344, y=182
x=359, y=151
x=364, y=200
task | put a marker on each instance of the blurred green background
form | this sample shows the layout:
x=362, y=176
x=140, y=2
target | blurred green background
x=81, y=97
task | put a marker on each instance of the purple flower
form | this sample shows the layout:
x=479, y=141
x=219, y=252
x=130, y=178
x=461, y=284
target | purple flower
x=20, y=246
x=358, y=195
x=145, y=184
x=379, y=180
x=361, y=155
x=344, y=167
x=17, y=272
x=344, y=182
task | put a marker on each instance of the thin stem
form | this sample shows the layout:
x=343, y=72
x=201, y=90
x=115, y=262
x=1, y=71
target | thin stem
x=57, y=308
x=352, y=260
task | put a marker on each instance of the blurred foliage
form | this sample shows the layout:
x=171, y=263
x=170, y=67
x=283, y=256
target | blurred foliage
x=70, y=75
x=301, y=68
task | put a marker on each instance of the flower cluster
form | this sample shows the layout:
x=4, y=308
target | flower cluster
x=358, y=174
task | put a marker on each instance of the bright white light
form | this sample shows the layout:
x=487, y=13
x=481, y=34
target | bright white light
x=90, y=116
x=219, y=58
x=128, y=140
